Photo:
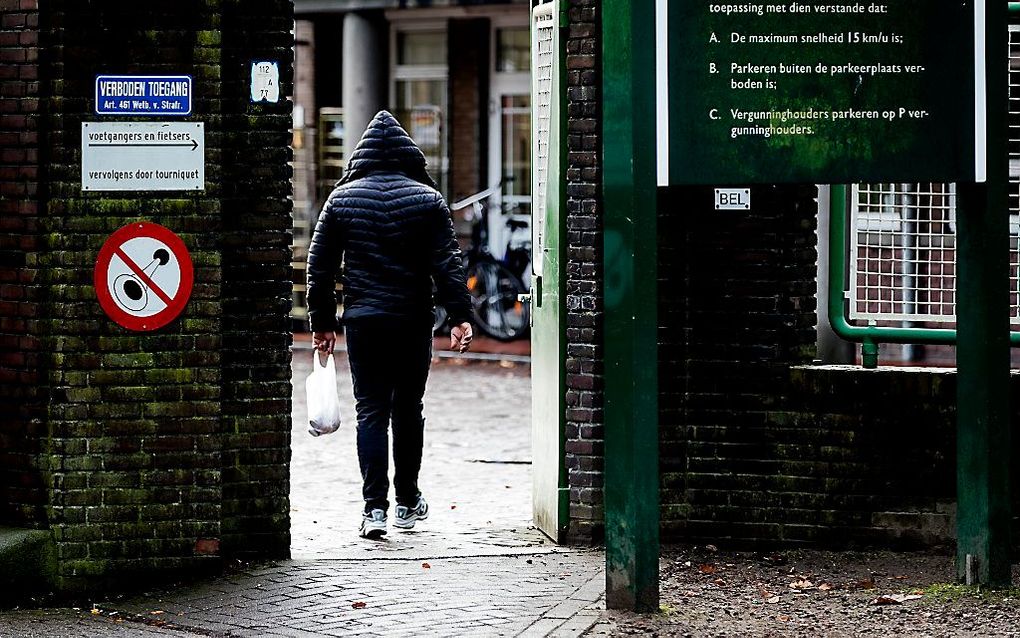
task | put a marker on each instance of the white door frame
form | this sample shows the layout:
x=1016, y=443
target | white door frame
x=501, y=84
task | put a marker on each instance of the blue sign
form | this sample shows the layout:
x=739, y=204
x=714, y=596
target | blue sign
x=143, y=94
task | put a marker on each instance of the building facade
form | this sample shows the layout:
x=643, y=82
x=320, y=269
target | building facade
x=456, y=74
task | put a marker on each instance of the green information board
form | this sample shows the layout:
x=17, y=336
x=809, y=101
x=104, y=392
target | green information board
x=818, y=91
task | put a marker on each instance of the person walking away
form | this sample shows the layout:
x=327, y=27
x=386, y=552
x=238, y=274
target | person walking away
x=392, y=231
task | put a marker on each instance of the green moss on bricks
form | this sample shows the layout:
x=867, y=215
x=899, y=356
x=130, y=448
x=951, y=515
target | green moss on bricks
x=27, y=561
x=82, y=395
x=201, y=325
x=132, y=394
x=94, y=206
x=208, y=38
x=91, y=567
x=117, y=344
x=171, y=375
x=210, y=72
x=128, y=360
x=208, y=259
x=679, y=511
x=206, y=56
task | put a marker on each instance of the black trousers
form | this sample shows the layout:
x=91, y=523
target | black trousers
x=390, y=364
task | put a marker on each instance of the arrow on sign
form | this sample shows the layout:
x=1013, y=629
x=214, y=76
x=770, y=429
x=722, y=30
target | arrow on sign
x=193, y=145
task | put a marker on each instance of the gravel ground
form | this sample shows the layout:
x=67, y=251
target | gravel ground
x=709, y=593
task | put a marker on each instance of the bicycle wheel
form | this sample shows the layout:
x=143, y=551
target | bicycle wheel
x=496, y=308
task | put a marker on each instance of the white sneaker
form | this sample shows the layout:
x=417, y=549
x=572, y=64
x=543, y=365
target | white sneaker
x=407, y=516
x=373, y=524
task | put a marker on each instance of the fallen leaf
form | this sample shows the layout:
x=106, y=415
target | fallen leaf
x=765, y=593
x=773, y=600
x=96, y=611
x=712, y=548
x=895, y=599
x=718, y=582
x=784, y=618
x=426, y=566
x=706, y=569
x=690, y=593
x=824, y=587
x=359, y=605
x=775, y=558
x=867, y=583
x=157, y=612
x=802, y=584
x=900, y=577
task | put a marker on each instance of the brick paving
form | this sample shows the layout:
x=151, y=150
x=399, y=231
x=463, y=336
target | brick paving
x=476, y=568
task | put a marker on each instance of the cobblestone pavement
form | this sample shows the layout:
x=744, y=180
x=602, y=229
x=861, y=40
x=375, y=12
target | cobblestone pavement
x=475, y=470
x=476, y=568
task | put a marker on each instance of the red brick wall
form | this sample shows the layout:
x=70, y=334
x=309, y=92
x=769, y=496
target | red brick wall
x=22, y=387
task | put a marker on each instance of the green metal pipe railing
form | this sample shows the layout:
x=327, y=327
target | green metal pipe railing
x=870, y=336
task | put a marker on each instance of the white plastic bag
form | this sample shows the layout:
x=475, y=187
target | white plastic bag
x=323, y=400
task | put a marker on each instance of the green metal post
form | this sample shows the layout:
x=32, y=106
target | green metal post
x=982, y=356
x=869, y=353
x=631, y=353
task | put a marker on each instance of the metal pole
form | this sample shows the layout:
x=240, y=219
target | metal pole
x=982, y=311
x=630, y=263
x=831, y=347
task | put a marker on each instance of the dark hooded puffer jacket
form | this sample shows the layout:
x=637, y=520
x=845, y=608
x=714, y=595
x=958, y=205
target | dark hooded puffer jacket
x=393, y=233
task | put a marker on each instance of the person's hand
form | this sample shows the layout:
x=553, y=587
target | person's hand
x=460, y=337
x=324, y=341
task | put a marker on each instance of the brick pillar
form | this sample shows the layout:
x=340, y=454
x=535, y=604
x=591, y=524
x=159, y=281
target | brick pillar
x=584, y=436
x=22, y=375
x=161, y=452
x=469, y=96
x=256, y=279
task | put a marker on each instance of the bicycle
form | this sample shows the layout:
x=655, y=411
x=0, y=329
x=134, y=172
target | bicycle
x=495, y=284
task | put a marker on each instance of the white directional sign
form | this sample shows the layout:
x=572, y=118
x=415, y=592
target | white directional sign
x=142, y=156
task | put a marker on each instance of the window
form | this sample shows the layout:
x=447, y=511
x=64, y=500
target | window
x=516, y=152
x=419, y=94
x=513, y=50
x=421, y=48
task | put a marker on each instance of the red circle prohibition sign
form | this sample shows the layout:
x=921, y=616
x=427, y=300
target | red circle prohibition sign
x=143, y=276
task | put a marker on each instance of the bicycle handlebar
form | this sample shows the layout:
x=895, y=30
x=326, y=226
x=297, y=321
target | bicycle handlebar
x=485, y=194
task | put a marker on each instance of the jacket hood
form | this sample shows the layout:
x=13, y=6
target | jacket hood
x=385, y=147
